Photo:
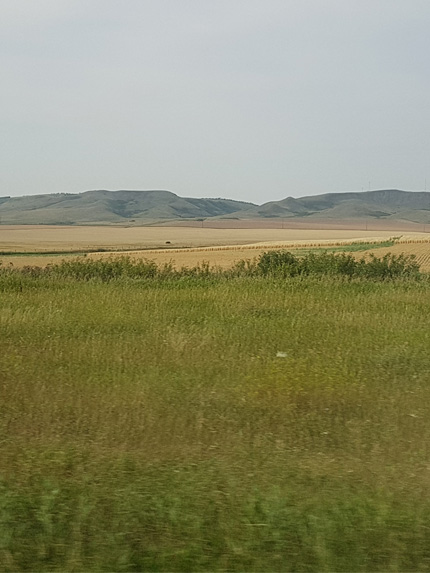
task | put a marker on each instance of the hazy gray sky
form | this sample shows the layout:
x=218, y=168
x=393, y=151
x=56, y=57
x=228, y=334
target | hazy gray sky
x=246, y=99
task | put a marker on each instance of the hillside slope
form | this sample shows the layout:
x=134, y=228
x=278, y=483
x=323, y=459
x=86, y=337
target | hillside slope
x=112, y=207
x=382, y=204
x=141, y=207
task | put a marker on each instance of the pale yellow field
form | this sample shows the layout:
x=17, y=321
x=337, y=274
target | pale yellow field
x=188, y=246
x=19, y=238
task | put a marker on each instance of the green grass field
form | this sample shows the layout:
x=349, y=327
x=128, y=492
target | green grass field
x=212, y=424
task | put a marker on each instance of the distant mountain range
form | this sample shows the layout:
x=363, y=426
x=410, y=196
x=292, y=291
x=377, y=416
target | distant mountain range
x=150, y=206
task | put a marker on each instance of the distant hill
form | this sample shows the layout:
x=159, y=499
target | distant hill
x=140, y=207
x=112, y=207
x=384, y=204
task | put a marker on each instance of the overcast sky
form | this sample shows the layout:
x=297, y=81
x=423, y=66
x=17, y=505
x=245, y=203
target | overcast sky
x=247, y=99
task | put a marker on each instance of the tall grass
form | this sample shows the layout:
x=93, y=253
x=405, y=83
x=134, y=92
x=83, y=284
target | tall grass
x=260, y=423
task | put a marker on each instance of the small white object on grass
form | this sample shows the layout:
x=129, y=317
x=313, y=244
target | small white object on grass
x=281, y=354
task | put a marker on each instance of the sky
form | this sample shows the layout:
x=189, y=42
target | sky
x=254, y=100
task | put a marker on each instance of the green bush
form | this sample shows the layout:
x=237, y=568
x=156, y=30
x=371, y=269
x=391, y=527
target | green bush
x=389, y=267
x=286, y=264
x=105, y=269
x=278, y=263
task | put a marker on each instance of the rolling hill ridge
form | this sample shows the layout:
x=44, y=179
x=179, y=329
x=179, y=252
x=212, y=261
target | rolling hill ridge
x=112, y=207
x=382, y=204
x=142, y=207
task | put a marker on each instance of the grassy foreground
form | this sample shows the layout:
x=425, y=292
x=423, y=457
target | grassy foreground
x=253, y=423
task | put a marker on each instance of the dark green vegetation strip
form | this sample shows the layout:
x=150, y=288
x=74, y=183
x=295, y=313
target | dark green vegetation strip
x=280, y=263
x=348, y=248
x=258, y=423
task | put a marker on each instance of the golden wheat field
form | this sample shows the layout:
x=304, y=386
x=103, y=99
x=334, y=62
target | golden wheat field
x=188, y=246
x=45, y=238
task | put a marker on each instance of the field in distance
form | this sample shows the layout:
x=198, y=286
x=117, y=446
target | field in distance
x=51, y=238
x=40, y=245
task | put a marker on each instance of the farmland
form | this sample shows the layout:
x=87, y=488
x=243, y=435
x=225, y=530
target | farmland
x=208, y=420
x=187, y=246
x=41, y=238
x=225, y=257
x=202, y=422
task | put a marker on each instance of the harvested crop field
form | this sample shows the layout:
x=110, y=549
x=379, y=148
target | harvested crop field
x=421, y=250
x=44, y=238
x=227, y=256
x=22, y=245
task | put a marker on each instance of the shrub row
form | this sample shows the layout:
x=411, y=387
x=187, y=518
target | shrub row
x=285, y=264
x=279, y=263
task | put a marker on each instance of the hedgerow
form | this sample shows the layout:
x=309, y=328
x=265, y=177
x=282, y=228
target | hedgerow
x=278, y=263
